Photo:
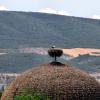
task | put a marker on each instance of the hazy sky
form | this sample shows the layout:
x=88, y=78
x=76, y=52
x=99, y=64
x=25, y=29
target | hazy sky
x=81, y=8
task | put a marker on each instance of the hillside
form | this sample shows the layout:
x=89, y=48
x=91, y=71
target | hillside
x=28, y=29
x=87, y=62
x=75, y=52
x=19, y=62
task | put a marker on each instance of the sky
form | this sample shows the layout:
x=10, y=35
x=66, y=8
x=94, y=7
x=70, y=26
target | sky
x=79, y=8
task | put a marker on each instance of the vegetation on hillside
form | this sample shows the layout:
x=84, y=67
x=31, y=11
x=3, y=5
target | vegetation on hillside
x=19, y=62
x=87, y=62
x=29, y=29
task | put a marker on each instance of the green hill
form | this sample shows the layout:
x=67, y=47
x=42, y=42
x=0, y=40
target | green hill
x=87, y=62
x=28, y=29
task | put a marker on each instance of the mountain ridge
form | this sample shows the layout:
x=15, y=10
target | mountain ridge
x=28, y=29
x=19, y=30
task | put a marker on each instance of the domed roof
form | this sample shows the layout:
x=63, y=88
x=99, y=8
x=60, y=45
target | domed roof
x=58, y=81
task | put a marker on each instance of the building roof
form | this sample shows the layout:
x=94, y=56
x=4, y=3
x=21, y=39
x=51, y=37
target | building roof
x=58, y=81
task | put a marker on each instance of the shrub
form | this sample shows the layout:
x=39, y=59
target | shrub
x=28, y=95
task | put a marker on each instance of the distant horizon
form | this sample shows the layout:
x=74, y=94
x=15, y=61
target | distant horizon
x=79, y=8
x=49, y=14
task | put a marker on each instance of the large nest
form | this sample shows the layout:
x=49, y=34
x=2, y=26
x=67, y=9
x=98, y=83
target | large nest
x=55, y=52
x=58, y=81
